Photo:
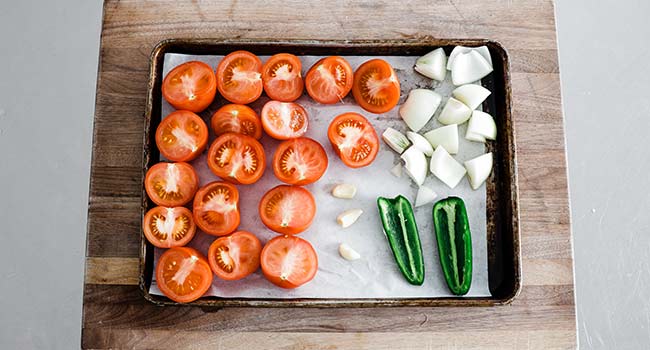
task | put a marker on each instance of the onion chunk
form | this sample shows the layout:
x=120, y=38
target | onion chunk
x=472, y=95
x=446, y=168
x=433, y=65
x=419, y=107
x=454, y=112
x=415, y=164
x=446, y=136
x=479, y=169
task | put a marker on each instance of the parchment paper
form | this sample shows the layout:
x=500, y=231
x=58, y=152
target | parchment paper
x=375, y=275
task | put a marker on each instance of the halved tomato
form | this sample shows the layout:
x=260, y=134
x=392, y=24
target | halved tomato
x=299, y=161
x=289, y=261
x=354, y=139
x=183, y=274
x=181, y=136
x=237, y=118
x=287, y=209
x=239, y=77
x=282, y=77
x=216, y=208
x=237, y=158
x=236, y=256
x=190, y=86
x=329, y=80
x=284, y=120
x=169, y=227
x=171, y=184
x=376, y=87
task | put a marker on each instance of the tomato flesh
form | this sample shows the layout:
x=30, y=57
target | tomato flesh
x=376, y=87
x=289, y=261
x=181, y=136
x=236, y=118
x=284, y=120
x=236, y=256
x=169, y=227
x=282, y=78
x=171, y=184
x=239, y=77
x=216, y=208
x=237, y=158
x=329, y=80
x=299, y=161
x=353, y=139
x=183, y=274
x=287, y=209
x=190, y=86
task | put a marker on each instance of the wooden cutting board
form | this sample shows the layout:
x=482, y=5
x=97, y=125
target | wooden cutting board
x=115, y=315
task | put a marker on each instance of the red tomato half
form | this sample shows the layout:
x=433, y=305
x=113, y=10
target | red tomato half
x=181, y=136
x=289, y=261
x=239, y=77
x=171, y=184
x=284, y=120
x=329, y=80
x=376, y=87
x=169, y=227
x=190, y=86
x=299, y=161
x=237, y=118
x=236, y=256
x=183, y=274
x=287, y=209
x=216, y=208
x=282, y=77
x=353, y=139
x=237, y=158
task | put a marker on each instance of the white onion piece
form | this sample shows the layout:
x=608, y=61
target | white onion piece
x=454, y=112
x=472, y=95
x=474, y=137
x=425, y=196
x=397, y=170
x=485, y=52
x=446, y=136
x=348, y=217
x=420, y=143
x=469, y=67
x=395, y=140
x=419, y=107
x=478, y=169
x=482, y=124
x=446, y=168
x=482, y=50
x=415, y=164
x=348, y=253
x=433, y=65
x=454, y=53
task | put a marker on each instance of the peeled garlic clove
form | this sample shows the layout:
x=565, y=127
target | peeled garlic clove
x=433, y=65
x=345, y=191
x=425, y=196
x=395, y=140
x=415, y=164
x=420, y=143
x=478, y=169
x=446, y=168
x=397, y=170
x=472, y=95
x=454, y=112
x=348, y=253
x=419, y=107
x=348, y=217
x=469, y=67
x=482, y=124
x=446, y=136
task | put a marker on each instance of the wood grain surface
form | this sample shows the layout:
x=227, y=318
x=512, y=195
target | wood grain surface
x=116, y=316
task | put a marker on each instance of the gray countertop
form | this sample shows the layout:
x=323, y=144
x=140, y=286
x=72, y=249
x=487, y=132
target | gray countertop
x=48, y=65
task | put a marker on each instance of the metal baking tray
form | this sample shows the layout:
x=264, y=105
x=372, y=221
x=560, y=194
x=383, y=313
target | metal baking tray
x=502, y=206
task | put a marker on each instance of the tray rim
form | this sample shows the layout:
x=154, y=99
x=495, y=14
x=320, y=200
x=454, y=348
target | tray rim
x=210, y=303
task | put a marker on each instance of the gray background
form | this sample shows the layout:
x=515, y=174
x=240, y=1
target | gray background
x=48, y=65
